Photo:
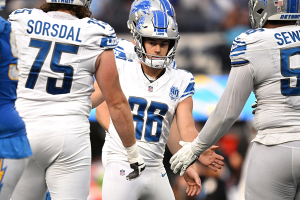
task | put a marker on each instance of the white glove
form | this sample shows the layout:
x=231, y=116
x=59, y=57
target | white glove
x=183, y=158
x=136, y=162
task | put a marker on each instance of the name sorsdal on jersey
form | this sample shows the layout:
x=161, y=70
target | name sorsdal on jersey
x=53, y=30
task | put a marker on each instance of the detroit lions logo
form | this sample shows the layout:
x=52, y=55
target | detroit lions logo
x=140, y=23
x=265, y=2
x=174, y=92
x=144, y=6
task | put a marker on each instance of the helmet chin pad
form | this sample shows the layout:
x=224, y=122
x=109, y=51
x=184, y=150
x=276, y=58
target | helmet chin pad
x=156, y=63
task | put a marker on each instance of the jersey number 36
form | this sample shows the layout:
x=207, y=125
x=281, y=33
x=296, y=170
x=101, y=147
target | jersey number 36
x=151, y=117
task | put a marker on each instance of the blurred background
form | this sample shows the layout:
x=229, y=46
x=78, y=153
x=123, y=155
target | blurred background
x=207, y=29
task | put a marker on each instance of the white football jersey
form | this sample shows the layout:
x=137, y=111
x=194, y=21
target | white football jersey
x=125, y=50
x=274, y=58
x=57, y=54
x=153, y=107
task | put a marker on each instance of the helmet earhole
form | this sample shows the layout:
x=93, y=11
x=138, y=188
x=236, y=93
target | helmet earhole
x=260, y=11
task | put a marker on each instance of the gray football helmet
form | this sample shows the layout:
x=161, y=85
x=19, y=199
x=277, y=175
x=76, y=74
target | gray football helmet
x=140, y=7
x=156, y=25
x=262, y=10
x=86, y=3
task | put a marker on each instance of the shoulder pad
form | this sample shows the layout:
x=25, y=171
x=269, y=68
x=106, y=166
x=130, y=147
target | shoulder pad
x=98, y=28
x=19, y=13
x=125, y=50
x=241, y=45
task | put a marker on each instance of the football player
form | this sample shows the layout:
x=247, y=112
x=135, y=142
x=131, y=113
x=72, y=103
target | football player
x=155, y=91
x=125, y=51
x=60, y=48
x=14, y=145
x=264, y=60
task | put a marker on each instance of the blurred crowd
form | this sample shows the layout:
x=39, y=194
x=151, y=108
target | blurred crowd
x=207, y=29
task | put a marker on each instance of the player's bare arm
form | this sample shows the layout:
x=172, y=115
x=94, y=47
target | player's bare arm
x=188, y=132
x=108, y=80
x=97, y=97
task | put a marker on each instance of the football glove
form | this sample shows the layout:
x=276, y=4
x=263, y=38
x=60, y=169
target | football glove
x=183, y=158
x=136, y=162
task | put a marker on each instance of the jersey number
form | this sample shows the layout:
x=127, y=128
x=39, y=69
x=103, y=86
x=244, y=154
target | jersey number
x=13, y=72
x=153, y=116
x=59, y=48
x=287, y=71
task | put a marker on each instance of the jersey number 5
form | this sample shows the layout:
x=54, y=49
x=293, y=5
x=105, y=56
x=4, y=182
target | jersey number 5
x=287, y=71
x=154, y=118
x=59, y=48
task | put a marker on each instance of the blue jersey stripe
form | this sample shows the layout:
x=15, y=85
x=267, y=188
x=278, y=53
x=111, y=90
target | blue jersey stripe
x=237, y=54
x=239, y=62
x=240, y=48
x=190, y=93
x=239, y=42
x=190, y=87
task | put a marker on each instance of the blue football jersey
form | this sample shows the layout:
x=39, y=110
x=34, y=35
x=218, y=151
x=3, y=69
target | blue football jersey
x=13, y=140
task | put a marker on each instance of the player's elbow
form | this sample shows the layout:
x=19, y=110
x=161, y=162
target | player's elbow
x=117, y=104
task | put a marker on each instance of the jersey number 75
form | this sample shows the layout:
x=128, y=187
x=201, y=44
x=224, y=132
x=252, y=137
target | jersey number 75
x=59, y=48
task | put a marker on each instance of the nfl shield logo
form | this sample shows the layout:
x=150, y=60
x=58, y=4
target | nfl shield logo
x=122, y=172
x=150, y=88
x=174, y=92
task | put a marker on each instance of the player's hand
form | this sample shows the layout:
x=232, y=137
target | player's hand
x=136, y=162
x=193, y=182
x=183, y=158
x=138, y=168
x=254, y=106
x=210, y=159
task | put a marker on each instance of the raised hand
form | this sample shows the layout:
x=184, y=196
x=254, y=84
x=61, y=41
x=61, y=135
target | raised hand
x=212, y=160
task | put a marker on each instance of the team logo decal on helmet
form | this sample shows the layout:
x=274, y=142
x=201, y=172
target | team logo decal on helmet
x=143, y=6
x=140, y=7
x=156, y=25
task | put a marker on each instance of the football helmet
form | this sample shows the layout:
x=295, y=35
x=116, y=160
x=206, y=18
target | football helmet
x=2, y=4
x=86, y=3
x=262, y=10
x=156, y=25
x=140, y=7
